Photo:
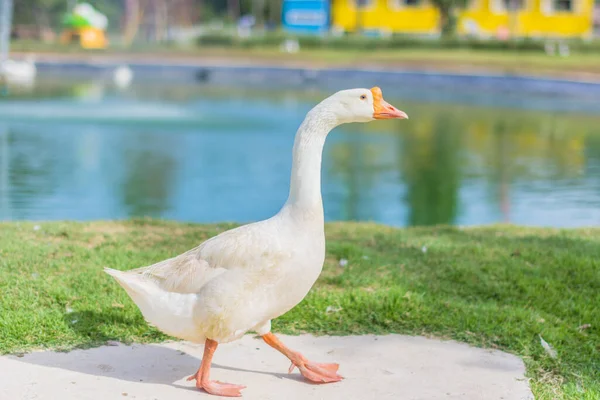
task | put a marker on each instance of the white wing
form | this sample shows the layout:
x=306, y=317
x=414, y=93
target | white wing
x=254, y=247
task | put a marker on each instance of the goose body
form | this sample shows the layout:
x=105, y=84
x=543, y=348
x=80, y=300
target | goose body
x=122, y=76
x=234, y=282
x=241, y=279
x=23, y=71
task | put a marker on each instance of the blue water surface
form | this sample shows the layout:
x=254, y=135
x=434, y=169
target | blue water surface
x=84, y=150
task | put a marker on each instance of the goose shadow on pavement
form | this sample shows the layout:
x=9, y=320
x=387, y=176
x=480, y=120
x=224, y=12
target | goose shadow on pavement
x=150, y=363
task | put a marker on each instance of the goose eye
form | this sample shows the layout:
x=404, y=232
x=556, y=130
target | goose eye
x=363, y=97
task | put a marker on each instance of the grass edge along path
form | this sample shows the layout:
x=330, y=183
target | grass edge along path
x=498, y=287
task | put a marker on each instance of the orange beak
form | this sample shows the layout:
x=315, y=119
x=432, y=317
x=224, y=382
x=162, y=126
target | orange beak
x=384, y=110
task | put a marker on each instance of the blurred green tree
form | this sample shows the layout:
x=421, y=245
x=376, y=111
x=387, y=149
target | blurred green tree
x=49, y=13
x=43, y=13
x=448, y=9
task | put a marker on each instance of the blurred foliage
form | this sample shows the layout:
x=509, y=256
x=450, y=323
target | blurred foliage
x=448, y=18
x=50, y=13
x=355, y=42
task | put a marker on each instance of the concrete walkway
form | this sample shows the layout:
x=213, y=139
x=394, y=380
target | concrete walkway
x=375, y=367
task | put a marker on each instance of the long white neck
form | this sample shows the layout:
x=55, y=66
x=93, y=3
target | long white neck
x=305, y=183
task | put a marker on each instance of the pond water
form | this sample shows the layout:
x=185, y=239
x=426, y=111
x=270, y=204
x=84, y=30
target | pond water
x=86, y=151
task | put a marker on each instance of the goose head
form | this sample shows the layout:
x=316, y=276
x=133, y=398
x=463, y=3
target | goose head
x=362, y=105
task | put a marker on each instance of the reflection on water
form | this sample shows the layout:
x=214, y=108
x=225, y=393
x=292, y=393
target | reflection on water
x=206, y=154
x=150, y=177
x=430, y=165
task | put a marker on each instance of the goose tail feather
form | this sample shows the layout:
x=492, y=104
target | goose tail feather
x=172, y=313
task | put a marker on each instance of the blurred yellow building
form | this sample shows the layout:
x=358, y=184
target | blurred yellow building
x=523, y=18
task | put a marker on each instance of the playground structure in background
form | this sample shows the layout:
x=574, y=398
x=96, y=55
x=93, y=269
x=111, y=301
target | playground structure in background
x=86, y=26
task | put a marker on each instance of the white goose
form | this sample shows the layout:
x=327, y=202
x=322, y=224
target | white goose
x=23, y=72
x=122, y=76
x=241, y=279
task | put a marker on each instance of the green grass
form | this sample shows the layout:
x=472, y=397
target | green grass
x=579, y=65
x=498, y=287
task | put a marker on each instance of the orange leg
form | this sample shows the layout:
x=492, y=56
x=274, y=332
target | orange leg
x=202, y=376
x=314, y=372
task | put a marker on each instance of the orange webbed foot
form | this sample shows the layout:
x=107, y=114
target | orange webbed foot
x=314, y=372
x=195, y=377
x=222, y=389
x=317, y=372
x=217, y=388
